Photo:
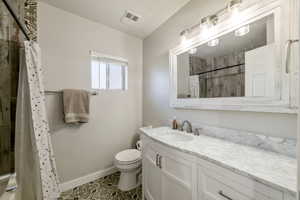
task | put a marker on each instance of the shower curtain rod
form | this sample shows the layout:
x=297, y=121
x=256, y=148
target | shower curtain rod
x=10, y=9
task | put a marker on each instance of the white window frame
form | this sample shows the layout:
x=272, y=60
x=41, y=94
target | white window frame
x=124, y=65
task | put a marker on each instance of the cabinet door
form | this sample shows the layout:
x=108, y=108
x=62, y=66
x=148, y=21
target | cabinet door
x=176, y=177
x=151, y=175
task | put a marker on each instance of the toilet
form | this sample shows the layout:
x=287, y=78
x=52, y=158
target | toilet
x=129, y=163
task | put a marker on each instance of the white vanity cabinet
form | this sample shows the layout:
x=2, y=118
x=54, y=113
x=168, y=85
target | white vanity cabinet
x=167, y=174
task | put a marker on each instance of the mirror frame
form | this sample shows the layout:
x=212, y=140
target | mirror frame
x=280, y=103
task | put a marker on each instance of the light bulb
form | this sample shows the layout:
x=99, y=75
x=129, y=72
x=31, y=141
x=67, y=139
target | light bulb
x=213, y=43
x=205, y=31
x=235, y=14
x=207, y=25
x=204, y=25
x=183, y=39
x=234, y=10
x=242, y=31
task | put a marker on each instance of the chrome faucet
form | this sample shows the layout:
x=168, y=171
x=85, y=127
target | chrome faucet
x=189, y=129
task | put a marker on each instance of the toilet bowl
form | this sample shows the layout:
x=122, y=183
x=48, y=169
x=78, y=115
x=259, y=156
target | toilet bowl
x=129, y=163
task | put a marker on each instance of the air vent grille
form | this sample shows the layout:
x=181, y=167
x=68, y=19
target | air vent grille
x=131, y=16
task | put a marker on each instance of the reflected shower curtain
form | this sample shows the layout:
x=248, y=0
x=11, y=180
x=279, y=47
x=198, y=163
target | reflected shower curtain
x=35, y=165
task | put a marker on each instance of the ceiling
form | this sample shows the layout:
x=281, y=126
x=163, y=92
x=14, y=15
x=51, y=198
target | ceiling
x=109, y=12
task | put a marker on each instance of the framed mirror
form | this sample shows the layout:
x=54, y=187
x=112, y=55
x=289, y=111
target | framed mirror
x=241, y=66
x=238, y=64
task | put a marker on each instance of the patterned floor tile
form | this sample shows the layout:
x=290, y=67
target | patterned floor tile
x=102, y=189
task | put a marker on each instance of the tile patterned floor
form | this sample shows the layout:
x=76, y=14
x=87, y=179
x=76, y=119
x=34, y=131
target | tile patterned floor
x=102, y=189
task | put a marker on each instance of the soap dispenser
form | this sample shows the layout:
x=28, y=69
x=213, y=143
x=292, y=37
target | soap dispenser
x=174, y=124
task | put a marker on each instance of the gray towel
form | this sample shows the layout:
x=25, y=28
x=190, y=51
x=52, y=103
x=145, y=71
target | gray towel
x=76, y=105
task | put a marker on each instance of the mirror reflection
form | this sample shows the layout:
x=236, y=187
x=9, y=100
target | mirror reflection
x=240, y=63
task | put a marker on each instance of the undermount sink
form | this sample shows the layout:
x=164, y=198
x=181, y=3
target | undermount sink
x=178, y=137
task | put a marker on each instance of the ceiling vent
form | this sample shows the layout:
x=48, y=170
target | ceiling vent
x=130, y=17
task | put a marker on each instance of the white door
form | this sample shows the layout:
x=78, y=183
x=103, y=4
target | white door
x=259, y=73
x=177, y=178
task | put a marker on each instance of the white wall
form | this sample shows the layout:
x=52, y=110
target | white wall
x=156, y=110
x=66, y=40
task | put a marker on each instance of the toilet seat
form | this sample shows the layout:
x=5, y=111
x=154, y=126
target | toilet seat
x=128, y=156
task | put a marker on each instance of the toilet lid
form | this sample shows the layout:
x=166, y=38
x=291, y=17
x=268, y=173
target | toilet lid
x=129, y=155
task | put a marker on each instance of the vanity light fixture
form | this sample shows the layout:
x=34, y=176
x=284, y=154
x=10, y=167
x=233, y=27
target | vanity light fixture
x=183, y=36
x=242, y=31
x=193, y=51
x=213, y=43
x=207, y=24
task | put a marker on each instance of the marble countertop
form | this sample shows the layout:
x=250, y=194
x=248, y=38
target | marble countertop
x=266, y=167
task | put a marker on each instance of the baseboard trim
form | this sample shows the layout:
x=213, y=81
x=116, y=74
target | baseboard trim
x=86, y=179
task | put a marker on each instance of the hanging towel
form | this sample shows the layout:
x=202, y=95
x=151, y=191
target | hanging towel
x=76, y=105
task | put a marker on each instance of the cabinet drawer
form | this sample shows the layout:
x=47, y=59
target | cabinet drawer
x=219, y=183
x=213, y=189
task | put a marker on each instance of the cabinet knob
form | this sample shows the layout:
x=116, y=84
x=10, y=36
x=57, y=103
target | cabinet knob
x=156, y=161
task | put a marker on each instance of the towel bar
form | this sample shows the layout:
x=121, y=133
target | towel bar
x=49, y=92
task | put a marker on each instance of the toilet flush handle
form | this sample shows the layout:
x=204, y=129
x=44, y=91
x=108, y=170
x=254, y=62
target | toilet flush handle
x=139, y=145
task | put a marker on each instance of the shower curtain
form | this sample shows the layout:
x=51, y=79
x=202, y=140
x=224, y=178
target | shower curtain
x=35, y=164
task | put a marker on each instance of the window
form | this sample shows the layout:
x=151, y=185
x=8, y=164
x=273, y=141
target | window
x=109, y=72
